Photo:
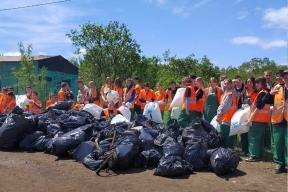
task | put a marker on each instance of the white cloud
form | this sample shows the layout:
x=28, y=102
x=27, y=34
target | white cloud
x=201, y=3
x=250, y=40
x=257, y=11
x=181, y=11
x=161, y=2
x=12, y=53
x=41, y=53
x=276, y=18
x=242, y=14
x=237, y=1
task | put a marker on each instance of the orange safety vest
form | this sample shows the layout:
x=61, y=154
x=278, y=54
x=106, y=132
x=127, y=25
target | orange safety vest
x=192, y=106
x=227, y=116
x=3, y=102
x=251, y=94
x=50, y=102
x=11, y=105
x=137, y=94
x=218, y=93
x=200, y=102
x=120, y=92
x=263, y=114
x=159, y=96
x=126, y=95
x=94, y=95
x=146, y=96
x=169, y=100
x=61, y=95
x=78, y=106
x=34, y=108
x=107, y=114
x=280, y=108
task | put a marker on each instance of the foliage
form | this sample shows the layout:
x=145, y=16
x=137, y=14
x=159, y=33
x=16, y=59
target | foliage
x=29, y=75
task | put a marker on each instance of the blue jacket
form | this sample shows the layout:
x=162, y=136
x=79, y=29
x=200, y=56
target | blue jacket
x=132, y=97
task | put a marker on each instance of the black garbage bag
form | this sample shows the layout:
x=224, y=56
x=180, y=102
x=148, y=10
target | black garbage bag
x=161, y=128
x=28, y=143
x=53, y=129
x=89, y=116
x=43, y=142
x=63, y=105
x=172, y=148
x=141, y=120
x=194, y=133
x=172, y=166
x=105, y=145
x=72, y=122
x=160, y=140
x=12, y=131
x=17, y=110
x=224, y=161
x=33, y=122
x=215, y=138
x=173, y=130
x=83, y=150
x=196, y=155
x=61, y=145
x=128, y=146
x=49, y=142
x=149, y=158
x=153, y=132
x=147, y=141
x=2, y=118
x=91, y=163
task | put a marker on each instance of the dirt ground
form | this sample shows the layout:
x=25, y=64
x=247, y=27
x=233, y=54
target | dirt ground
x=41, y=172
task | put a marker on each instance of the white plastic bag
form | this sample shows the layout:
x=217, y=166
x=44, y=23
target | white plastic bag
x=94, y=109
x=238, y=122
x=152, y=111
x=178, y=98
x=215, y=124
x=22, y=101
x=119, y=119
x=125, y=112
x=175, y=112
x=113, y=96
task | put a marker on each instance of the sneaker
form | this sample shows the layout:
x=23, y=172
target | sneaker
x=279, y=169
x=252, y=159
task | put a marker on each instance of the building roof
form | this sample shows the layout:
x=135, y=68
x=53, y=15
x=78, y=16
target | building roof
x=18, y=58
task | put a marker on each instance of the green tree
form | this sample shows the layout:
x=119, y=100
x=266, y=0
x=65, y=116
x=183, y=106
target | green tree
x=110, y=51
x=29, y=74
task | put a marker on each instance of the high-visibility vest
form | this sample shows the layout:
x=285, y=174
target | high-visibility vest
x=200, y=102
x=11, y=105
x=127, y=95
x=146, y=96
x=50, y=102
x=218, y=93
x=251, y=94
x=32, y=107
x=227, y=116
x=159, y=96
x=94, y=95
x=169, y=99
x=280, y=108
x=263, y=114
x=3, y=102
x=107, y=114
x=192, y=105
x=137, y=94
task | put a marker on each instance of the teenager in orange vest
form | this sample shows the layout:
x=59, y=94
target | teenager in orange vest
x=65, y=94
x=200, y=97
x=52, y=100
x=94, y=94
x=138, y=88
x=213, y=98
x=108, y=84
x=35, y=105
x=227, y=108
x=169, y=95
x=80, y=103
x=279, y=98
x=119, y=88
x=11, y=102
x=129, y=96
x=28, y=92
x=146, y=96
x=160, y=97
x=187, y=115
x=3, y=99
x=258, y=121
x=110, y=111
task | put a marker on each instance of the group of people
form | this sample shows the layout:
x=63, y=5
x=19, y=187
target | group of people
x=268, y=102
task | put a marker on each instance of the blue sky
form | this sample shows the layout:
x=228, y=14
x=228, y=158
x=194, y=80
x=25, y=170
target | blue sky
x=229, y=32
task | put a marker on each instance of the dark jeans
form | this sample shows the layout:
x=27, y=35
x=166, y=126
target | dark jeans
x=244, y=142
x=137, y=109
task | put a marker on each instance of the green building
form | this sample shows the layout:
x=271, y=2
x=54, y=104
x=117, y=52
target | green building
x=58, y=68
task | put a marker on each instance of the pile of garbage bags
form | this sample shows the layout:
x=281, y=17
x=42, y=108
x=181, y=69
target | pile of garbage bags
x=98, y=144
